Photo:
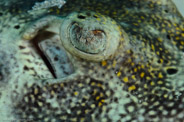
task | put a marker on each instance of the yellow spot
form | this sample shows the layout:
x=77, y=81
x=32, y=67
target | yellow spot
x=101, y=95
x=163, y=30
x=151, y=5
x=44, y=89
x=158, y=2
x=35, y=91
x=132, y=63
x=163, y=25
x=93, y=106
x=125, y=79
x=142, y=17
x=99, y=104
x=93, y=83
x=114, y=63
x=182, y=34
x=142, y=74
x=153, y=91
x=61, y=85
x=160, y=40
x=135, y=24
x=145, y=86
x=134, y=30
x=51, y=10
x=80, y=85
x=160, y=75
x=152, y=83
x=135, y=69
x=73, y=119
x=83, y=104
x=142, y=58
x=40, y=104
x=107, y=12
x=129, y=60
x=169, y=25
x=169, y=57
x=114, y=12
x=161, y=60
x=128, y=51
x=55, y=86
x=52, y=92
x=94, y=92
x=98, y=19
x=102, y=100
x=76, y=93
x=19, y=11
x=104, y=23
x=113, y=22
x=63, y=117
x=131, y=88
x=158, y=53
x=177, y=28
x=165, y=95
x=177, y=38
x=99, y=85
x=119, y=74
x=160, y=82
x=182, y=42
x=177, y=32
x=82, y=119
x=152, y=47
x=160, y=49
x=98, y=97
x=133, y=77
x=181, y=47
x=148, y=78
x=57, y=11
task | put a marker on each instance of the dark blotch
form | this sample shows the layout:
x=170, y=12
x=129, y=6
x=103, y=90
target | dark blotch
x=168, y=37
x=21, y=47
x=81, y=17
x=166, y=11
x=26, y=68
x=1, y=76
x=172, y=71
x=56, y=59
x=16, y=26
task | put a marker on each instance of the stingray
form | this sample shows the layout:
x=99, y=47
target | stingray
x=100, y=60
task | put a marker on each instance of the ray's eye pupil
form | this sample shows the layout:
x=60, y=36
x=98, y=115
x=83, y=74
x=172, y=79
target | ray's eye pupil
x=172, y=71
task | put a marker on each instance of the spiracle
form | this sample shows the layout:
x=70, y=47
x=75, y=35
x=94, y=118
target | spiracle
x=90, y=36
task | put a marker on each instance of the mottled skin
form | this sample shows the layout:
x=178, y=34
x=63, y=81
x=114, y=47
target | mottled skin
x=143, y=81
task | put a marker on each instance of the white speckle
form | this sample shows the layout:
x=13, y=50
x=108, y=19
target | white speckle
x=48, y=4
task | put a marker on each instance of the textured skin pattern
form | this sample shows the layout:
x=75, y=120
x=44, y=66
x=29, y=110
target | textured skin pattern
x=142, y=82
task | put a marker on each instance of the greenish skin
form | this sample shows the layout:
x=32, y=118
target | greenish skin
x=142, y=83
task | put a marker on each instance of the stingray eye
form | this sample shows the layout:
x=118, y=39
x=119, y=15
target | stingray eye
x=90, y=36
x=86, y=40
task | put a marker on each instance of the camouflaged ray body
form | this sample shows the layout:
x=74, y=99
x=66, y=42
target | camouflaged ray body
x=143, y=83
